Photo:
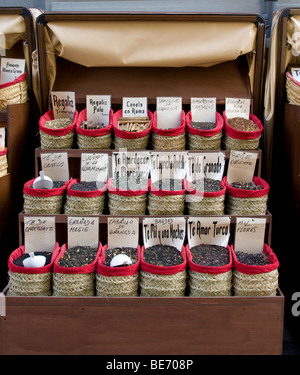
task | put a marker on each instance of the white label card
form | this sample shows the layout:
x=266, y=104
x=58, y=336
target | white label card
x=168, y=165
x=168, y=111
x=98, y=108
x=2, y=138
x=39, y=233
x=11, y=69
x=250, y=235
x=241, y=166
x=63, y=104
x=94, y=167
x=296, y=73
x=208, y=230
x=235, y=107
x=203, y=109
x=56, y=165
x=205, y=164
x=134, y=107
x=83, y=231
x=164, y=231
x=122, y=231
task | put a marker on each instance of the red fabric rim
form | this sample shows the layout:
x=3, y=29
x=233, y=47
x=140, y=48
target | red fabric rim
x=205, y=194
x=207, y=269
x=160, y=270
x=57, y=132
x=243, y=193
x=117, y=271
x=43, y=192
x=21, y=78
x=169, y=132
x=29, y=270
x=252, y=270
x=161, y=193
x=130, y=135
x=3, y=152
x=241, y=134
x=84, y=194
x=89, y=268
x=126, y=193
x=205, y=133
x=92, y=132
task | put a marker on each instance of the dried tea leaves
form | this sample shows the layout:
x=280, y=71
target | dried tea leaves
x=203, y=125
x=87, y=185
x=91, y=125
x=131, y=252
x=58, y=123
x=162, y=255
x=46, y=254
x=210, y=255
x=131, y=182
x=170, y=184
x=78, y=256
x=243, y=124
x=206, y=184
x=252, y=259
x=246, y=185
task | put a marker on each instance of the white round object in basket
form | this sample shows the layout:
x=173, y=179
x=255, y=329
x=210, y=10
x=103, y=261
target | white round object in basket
x=34, y=261
x=42, y=182
x=120, y=260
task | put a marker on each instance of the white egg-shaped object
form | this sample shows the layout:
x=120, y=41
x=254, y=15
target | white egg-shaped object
x=120, y=260
x=34, y=261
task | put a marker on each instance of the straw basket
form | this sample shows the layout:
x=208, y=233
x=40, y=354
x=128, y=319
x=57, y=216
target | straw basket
x=117, y=281
x=3, y=162
x=204, y=139
x=159, y=281
x=93, y=138
x=256, y=280
x=247, y=202
x=14, y=92
x=292, y=89
x=43, y=201
x=84, y=202
x=25, y=281
x=169, y=139
x=56, y=138
x=242, y=140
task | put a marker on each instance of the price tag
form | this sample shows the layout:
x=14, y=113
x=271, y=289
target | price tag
x=56, y=165
x=241, y=166
x=63, y=104
x=83, y=231
x=2, y=138
x=39, y=233
x=11, y=69
x=122, y=231
x=134, y=107
x=250, y=235
x=235, y=107
x=296, y=73
x=97, y=109
x=168, y=111
x=208, y=230
x=203, y=109
x=205, y=164
x=164, y=231
x=94, y=167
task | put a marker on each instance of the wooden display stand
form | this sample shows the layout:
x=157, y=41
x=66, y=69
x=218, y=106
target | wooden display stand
x=141, y=325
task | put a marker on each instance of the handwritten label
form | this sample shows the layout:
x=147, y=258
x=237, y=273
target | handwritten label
x=235, y=107
x=56, y=165
x=241, y=166
x=98, y=108
x=39, y=233
x=205, y=164
x=208, y=230
x=63, y=104
x=2, y=138
x=296, y=73
x=122, y=231
x=164, y=231
x=134, y=107
x=250, y=235
x=168, y=111
x=11, y=69
x=203, y=109
x=168, y=165
x=94, y=167
x=83, y=231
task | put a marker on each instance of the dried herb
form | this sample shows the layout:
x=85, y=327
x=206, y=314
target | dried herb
x=78, y=256
x=170, y=184
x=87, y=185
x=207, y=185
x=19, y=260
x=253, y=259
x=203, y=125
x=162, y=255
x=129, y=251
x=243, y=124
x=58, y=123
x=246, y=185
x=210, y=255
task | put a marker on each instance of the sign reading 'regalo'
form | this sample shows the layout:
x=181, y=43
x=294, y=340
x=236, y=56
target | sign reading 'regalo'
x=97, y=110
x=63, y=104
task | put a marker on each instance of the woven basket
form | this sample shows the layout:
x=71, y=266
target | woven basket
x=14, y=92
x=292, y=89
x=84, y=202
x=93, y=138
x=43, y=201
x=56, y=138
x=247, y=202
x=3, y=162
x=242, y=140
x=205, y=284
x=204, y=139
